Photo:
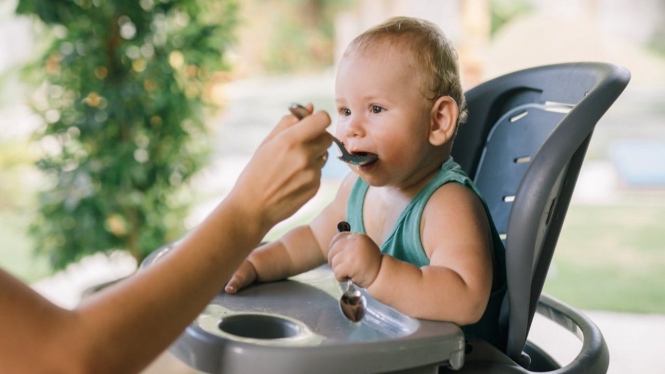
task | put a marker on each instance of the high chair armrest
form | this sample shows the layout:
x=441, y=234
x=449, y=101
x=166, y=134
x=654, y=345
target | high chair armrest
x=593, y=358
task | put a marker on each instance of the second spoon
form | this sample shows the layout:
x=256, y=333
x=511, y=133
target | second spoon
x=352, y=303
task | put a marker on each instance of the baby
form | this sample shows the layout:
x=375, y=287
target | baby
x=422, y=240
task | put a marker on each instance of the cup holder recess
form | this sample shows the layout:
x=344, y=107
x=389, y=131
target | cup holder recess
x=259, y=326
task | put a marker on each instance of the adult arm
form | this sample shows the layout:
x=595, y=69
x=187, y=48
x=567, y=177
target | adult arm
x=124, y=327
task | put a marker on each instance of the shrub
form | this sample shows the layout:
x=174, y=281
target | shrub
x=123, y=86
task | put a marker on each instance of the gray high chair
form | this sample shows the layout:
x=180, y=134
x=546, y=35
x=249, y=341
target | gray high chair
x=523, y=144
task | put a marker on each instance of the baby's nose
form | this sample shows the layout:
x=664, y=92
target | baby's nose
x=354, y=128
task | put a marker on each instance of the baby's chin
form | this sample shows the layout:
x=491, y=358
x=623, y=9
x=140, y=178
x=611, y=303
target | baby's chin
x=384, y=178
x=374, y=180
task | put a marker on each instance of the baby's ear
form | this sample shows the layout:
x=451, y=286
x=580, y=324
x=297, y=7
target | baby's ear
x=443, y=120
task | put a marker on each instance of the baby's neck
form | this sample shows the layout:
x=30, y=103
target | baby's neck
x=416, y=182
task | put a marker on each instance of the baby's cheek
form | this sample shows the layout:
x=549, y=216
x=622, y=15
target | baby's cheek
x=409, y=152
x=339, y=130
x=396, y=159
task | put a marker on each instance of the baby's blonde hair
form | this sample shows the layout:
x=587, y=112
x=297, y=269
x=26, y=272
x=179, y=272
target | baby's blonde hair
x=429, y=47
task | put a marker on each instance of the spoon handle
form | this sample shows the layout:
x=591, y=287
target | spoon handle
x=344, y=226
x=351, y=287
x=299, y=111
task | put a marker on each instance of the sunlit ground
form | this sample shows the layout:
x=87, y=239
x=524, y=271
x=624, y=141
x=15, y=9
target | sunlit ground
x=611, y=258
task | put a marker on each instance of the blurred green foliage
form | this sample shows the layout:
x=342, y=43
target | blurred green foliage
x=657, y=41
x=502, y=11
x=122, y=88
x=304, y=35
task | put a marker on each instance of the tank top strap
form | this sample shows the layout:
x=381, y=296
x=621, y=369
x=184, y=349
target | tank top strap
x=354, y=206
x=450, y=172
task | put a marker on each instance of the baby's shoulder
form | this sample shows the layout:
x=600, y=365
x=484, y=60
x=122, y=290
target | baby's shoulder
x=452, y=200
x=344, y=190
x=453, y=217
x=348, y=182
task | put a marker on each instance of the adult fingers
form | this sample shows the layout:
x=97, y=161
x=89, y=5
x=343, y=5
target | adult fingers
x=311, y=127
x=296, y=156
x=286, y=122
x=320, y=161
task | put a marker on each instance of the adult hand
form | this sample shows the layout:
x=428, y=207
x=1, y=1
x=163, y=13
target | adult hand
x=355, y=256
x=285, y=171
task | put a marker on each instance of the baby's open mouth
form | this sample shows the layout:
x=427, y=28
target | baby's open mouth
x=367, y=158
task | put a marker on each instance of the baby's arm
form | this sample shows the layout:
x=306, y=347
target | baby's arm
x=299, y=250
x=456, y=285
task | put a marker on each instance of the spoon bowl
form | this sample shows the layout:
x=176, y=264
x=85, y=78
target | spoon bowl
x=353, y=303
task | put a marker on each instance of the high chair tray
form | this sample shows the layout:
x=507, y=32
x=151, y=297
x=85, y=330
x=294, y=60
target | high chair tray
x=296, y=326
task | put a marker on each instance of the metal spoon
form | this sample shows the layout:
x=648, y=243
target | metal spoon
x=352, y=303
x=301, y=112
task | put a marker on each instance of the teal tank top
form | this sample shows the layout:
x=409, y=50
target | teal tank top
x=404, y=243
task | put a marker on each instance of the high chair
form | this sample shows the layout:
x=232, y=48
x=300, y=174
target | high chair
x=523, y=145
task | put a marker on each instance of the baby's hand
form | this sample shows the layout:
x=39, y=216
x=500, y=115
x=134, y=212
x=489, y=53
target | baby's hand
x=244, y=276
x=354, y=256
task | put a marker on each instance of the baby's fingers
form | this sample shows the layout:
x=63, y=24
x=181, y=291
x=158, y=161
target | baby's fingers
x=235, y=284
x=243, y=277
x=337, y=245
x=341, y=270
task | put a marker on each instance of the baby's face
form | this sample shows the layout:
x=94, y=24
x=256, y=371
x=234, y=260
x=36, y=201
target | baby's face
x=382, y=111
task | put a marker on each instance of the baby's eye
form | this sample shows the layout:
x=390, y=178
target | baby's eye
x=376, y=109
x=346, y=112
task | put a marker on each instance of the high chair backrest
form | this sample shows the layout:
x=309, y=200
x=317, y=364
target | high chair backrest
x=523, y=144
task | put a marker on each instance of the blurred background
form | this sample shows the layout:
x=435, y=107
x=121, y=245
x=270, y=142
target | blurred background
x=122, y=124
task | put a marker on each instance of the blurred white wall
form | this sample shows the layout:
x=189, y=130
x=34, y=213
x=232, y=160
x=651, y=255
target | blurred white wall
x=634, y=20
x=17, y=47
x=16, y=40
